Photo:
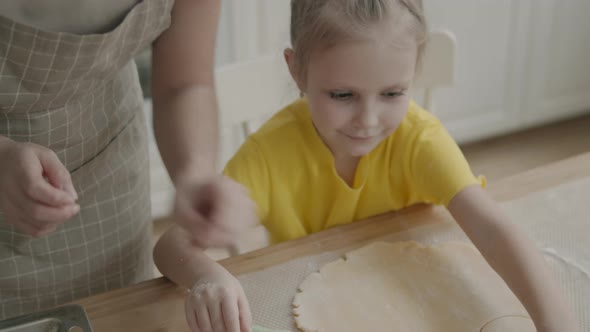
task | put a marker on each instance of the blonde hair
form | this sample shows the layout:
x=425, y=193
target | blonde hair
x=324, y=23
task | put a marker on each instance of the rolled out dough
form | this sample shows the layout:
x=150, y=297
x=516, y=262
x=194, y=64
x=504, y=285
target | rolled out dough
x=405, y=287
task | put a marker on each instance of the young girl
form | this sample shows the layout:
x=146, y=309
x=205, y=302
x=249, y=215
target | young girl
x=354, y=147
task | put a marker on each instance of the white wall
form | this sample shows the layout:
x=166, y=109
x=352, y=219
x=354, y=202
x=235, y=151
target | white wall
x=249, y=28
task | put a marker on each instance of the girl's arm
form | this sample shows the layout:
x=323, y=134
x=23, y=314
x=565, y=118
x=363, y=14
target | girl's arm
x=180, y=260
x=515, y=258
x=216, y=300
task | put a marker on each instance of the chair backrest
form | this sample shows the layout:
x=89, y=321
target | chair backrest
x=250, y=92
x=438, y=65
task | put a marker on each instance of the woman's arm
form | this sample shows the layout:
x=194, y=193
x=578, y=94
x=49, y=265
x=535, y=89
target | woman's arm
x=186, y=128
x=515, y=258
x=184, y=100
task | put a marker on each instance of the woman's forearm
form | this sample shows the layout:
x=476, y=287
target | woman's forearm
x=186, y=129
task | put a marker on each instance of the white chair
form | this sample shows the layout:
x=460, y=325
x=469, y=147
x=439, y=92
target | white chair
x=250, y=92
x=438, y=66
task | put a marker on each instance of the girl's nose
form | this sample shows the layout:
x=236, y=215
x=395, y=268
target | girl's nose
x=367, y=116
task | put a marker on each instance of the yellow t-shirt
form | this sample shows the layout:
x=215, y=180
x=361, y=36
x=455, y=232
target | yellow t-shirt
x=292, y=178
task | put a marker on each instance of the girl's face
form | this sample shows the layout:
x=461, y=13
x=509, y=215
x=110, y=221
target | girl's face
x=358, y=93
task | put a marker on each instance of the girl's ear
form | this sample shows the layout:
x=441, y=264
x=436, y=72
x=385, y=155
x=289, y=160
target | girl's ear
x=290, y=60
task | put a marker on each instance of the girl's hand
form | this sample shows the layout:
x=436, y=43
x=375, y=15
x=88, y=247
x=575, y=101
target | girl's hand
x=214, y=210
x=36, y=190
x=217, y=303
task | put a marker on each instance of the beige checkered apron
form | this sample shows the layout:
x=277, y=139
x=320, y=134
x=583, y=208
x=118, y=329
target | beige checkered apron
x=79, y=95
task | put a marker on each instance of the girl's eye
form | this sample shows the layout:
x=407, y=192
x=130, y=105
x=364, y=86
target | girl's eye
x=340, y=95
x=393, y=94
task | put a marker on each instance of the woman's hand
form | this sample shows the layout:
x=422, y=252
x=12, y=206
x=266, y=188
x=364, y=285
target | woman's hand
x=214, y=210
x=36, y=190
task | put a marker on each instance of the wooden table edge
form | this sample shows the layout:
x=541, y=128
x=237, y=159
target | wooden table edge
x=510, y=188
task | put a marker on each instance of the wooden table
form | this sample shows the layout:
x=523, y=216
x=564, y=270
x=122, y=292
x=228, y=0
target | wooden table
x=158, y=305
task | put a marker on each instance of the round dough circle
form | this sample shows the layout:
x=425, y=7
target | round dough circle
x=405, y=286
